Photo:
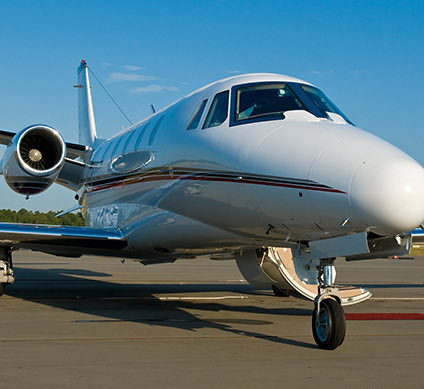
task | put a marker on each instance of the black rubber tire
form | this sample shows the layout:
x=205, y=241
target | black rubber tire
x=2, y=288
x=331, y=333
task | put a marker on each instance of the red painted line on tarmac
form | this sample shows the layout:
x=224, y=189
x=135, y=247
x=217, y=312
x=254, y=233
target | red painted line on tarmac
x=384, y=316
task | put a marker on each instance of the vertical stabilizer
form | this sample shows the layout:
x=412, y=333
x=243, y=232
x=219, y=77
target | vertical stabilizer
x=87, y=125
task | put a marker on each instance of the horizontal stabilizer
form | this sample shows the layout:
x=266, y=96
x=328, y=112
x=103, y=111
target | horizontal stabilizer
x=6, y=137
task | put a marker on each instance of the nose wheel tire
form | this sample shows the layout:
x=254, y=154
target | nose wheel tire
x=329, y=324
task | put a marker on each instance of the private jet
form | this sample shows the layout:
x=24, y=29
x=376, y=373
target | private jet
x=260, y=168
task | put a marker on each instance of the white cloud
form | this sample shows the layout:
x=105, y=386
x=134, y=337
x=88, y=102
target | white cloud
x=133, y=77
x=132, y=68
x=234, y=71
x=154, y=88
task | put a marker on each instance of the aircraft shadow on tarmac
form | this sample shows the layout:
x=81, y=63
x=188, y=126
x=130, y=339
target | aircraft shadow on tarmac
x=113, y=302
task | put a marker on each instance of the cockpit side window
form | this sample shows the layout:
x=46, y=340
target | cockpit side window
x=218, y=111
x=194, y=122
x=265, y=102
x=322, y=101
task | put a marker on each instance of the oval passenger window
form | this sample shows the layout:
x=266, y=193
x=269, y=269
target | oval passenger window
x=131, y=161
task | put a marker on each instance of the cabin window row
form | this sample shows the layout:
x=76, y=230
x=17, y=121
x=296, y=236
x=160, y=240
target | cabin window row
x=127, y=143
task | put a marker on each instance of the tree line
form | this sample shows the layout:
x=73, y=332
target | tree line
x=31, y=217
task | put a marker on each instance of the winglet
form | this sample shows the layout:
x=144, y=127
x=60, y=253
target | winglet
x=87, y=125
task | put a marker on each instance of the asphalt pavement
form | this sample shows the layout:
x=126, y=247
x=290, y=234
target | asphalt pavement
x=96, y=322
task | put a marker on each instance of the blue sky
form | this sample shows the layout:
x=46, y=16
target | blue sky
x=368, y=56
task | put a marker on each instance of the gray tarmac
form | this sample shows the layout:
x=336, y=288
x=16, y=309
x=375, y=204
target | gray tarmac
x=95, y=322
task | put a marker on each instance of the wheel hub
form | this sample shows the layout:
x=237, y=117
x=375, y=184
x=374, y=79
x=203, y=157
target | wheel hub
x=323, y=325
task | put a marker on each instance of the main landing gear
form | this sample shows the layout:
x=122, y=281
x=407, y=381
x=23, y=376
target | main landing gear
x=328, y=319
x=6, y=268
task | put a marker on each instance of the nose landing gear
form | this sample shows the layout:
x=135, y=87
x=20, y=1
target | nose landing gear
x=329, y=324
x=6, y=268
x=328, y=318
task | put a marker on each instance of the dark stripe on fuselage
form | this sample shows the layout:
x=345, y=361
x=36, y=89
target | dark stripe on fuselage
x=164, y=174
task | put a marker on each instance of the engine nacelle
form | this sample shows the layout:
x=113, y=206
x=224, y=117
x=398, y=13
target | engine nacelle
x=33, y=159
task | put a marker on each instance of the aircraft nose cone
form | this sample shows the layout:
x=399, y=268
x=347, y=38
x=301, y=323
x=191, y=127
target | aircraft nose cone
x=389, y=199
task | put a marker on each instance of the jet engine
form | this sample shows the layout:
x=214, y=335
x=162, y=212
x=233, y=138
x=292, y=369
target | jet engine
x=290, y=274
x=33, y=159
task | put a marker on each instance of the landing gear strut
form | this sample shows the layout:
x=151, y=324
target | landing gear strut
x=6, y=268
x=328, y=319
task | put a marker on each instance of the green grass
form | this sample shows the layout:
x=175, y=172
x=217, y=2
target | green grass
x=417, y=251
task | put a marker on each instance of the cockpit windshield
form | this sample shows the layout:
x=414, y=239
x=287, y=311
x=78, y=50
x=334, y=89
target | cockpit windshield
x=322, y=101
x=265, y=101
x=269, y=101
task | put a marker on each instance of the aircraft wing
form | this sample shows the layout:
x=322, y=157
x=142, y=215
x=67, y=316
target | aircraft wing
x=61, y=240
x=417, y=236
x=73, y=150
x=6, y=137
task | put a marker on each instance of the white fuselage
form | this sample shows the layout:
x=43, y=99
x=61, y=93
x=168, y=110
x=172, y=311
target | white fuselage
x=267, y=182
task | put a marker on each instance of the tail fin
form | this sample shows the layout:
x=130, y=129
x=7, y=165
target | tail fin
x=87, y=125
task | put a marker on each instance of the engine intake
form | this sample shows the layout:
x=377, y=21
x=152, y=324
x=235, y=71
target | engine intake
x=41, y=150
x=34, y=159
